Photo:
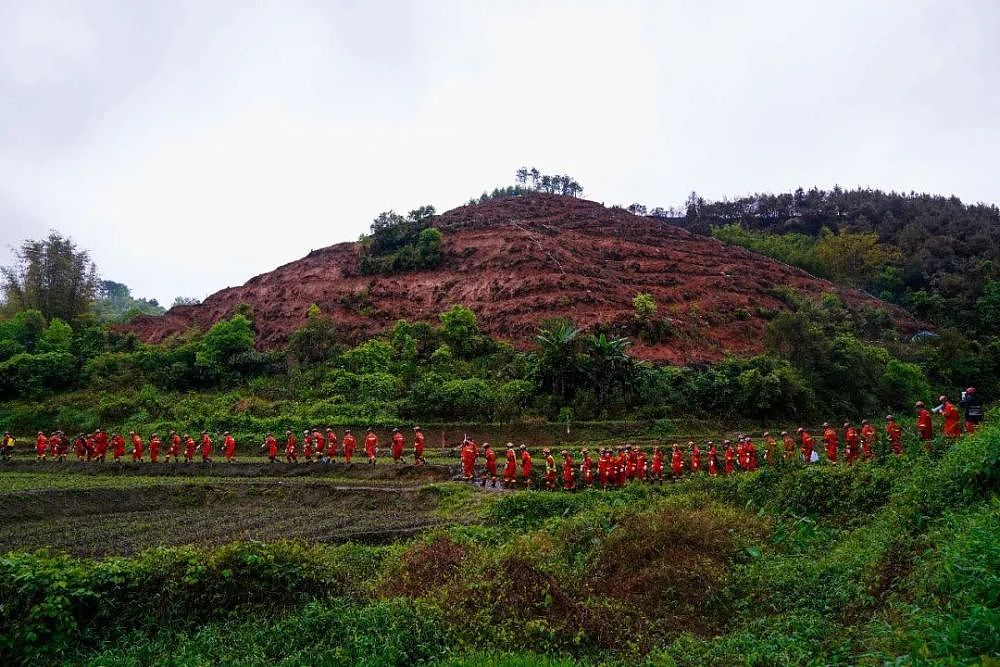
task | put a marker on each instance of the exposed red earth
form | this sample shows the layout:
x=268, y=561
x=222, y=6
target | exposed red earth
x=518, y=261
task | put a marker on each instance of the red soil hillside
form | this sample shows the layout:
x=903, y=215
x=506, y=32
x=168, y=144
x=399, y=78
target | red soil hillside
x=520, y=260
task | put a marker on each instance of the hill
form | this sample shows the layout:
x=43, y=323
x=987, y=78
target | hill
x=518, y=261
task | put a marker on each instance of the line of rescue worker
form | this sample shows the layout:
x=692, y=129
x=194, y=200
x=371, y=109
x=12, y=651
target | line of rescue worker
x=317, y=445
x=615, y=467
x=322, y=445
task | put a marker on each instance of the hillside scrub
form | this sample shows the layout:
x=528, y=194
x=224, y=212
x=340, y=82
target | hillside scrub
x=896, y=561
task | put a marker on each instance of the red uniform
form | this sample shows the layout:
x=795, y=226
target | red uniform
x=925, y=425
x=468, y=454
x=101, y=444
x=640, y=465
x=319, y=444
x=137, y=449
x=807, y=447
x=751, y=455
x=189, y=448
x=398, y=445
x=272, y=447
x=951, y=423
x=713, y=461
x=770, y=450
x=621, y=468
x=895, y=433
x=867, y=440
x=491, y=465
x=676, y=462
x=587, y=470
x=526, y=467
x=657, y=467
x=118, y=442
x=154, y=449
x=175, y=446
x=54, y=441
x=229, y=447
x=510, y=469
x=550, y=471
x=730, y=463
x=832, y=444
x=291, y=452
x=569, y=482
x=41, y=446
x=851, y=444
x=742, y=455
x=307, y=447
x=695, y=458
x=80, y=445
x=350, y=442
x=788, y=442
x=206, y=448
x=371, y=446
x=418, y=446
x=603, y=466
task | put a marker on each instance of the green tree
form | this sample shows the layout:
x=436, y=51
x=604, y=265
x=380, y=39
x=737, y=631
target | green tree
x=52, y=276
x=460, y=330
x=854, y=258
x=316, y=340
x=608, y=364
x=57, y=337
x=988, y=307
x=224, y=348
x=558, y=344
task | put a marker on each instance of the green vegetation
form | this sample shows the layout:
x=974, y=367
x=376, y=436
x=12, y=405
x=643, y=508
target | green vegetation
x=398, y=243
x=894, y=561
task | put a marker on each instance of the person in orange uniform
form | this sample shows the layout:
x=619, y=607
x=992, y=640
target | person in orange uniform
x=751, y=454
x=61, y=446
x=206, y=448
x=54, y=440
x=640, y=464
x=331, y=444
x=788, y=447
x=656, y=470
x=118, y=443
x=742, y=454
x=895, y=434
x=713, y=459
x=41, y=446
x=101, y=445
x=307, y=447
x=851, y=443
x=371, y=446
x=806, y=444
x=730, y=457
x=80, y=447
x=695, y=456
x=319, y=444
x=271, y=444
x=490, y=458
x=952, y=428
x=867, y=439
x=621, y=466
x=350, y=443
x=925, y=425
x=510, y=468
x=770, y=449
x=291, y=448
x=568, y=476
x=604, y=467
x=586, y=468
x=92, y=448
x=154, y=448
x=526, y=466
x=229, y=447
x=832, y=443
x=398, y=446
x=676, y=462
x=468, y=457
x=418, y=446
x=189, y=448
x=174, y=450
x=550, y=469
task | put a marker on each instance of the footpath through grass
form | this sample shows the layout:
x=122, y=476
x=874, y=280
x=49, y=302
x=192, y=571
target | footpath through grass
x=896, y=562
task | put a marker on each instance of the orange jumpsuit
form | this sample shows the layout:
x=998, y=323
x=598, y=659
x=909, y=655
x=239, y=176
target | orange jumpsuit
x=468, y=461
x=526, y=466
x=587, y=470
x=676, y=463
x=319, y=442
x=867, y=440
x=331, y=443
x=418, y=446
x=398, y=445
x=371, y=446
x=832, y=444
x=550, y=471
x=350, y=442
x=510, y=469
x=206, y=448
x=101, y=444
x=713, y=461
x=730, y=460
x=272, y=447
x=895, y=433
x=229, y=447
x=925, y=424
x=695, y=459
x=119, y=444
x=569, y=482
x=175, y=447
x=851, y=444
x=154, y=449
x=604, y=464
x=307, y=447
x=41, y=445
x=951, y=420
x=807, y=447
x=291, y=453
x=189, y=448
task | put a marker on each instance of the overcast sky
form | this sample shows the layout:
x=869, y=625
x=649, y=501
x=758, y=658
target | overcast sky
x=192, y=145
